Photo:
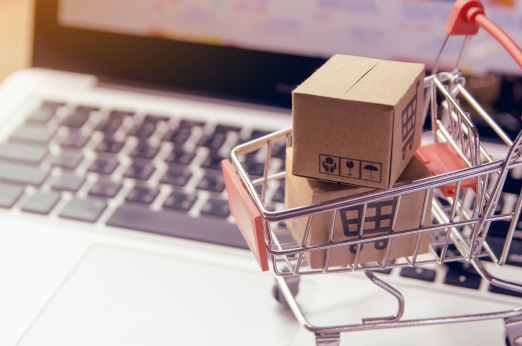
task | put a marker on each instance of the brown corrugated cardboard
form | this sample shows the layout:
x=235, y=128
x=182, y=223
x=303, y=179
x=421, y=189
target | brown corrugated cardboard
x=303, y=191
x=358, y=121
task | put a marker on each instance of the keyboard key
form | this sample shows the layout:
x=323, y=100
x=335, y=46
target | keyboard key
x=256, y=169
x=180, y=201
x=111, y=124
x=23, y=152
x=174, y=224
x=144, y=150
x=190, y=123
x=179, y=136
x=105, y=189
x=213, y=141
x=22, y=174
x=418, y=273
x=462, y=279
x=74, y=140
x=140, y=170
x=176, y=175
x=212, y=181
x=104, y=166
x=41, y=202
x=52, y=104
x=79, y=117
x=216, y=207
x=180, y=157
x=68, y=159
x=31, y=133
x=88, y=210
x=9, y=194
x=147, y=127
x=68, y=182
x=515, y=250
x=279, y=149
x=142, y=195
x=41, y=116
x=257, y=134
x=110, y=146
x=500, y=290
x=213, y=161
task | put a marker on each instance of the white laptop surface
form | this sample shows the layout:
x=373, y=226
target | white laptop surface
x=114, y=223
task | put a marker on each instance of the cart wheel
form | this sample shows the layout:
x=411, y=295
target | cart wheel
x=293, y=284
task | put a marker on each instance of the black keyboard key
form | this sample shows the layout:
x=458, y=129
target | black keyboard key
x=104, y=166
x=179, y=136
x=52, y=104
x=515, y=250
x=139, y=170
x=147, y=127
x=69, y=182
x=41, y=202
x=216, y=207
x=23, y=152
x=88, y=210
x=68, y=159
x=75, y=121
x=190, y=123
x=174, y=224
x=22, y=174
x=213, y=141
x=74, y=140
x=279, y=149
x=110, y=146
x=112, y=123
x=462, y=279
x=180, y=201
x=180, y=157
x=254, y=168
x=176, y=176
x=500, y=290
x=144, y=150
x=212, y=181
x=9, y=194
x=142, y=195
x=226, y=128
x=31, y=133
x=418, y=273
x=258, y=134
x=41, y=116
x=279, y=195
x=213, y=161
x=105, y=189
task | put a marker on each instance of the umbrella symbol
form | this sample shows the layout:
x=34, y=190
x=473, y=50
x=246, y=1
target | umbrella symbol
x=371, y=169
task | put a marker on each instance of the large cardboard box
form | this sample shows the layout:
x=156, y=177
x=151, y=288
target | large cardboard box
x=303, y=191
x=358, y=120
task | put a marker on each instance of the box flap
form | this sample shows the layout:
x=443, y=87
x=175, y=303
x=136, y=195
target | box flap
x=386, y=83
x=338, y=75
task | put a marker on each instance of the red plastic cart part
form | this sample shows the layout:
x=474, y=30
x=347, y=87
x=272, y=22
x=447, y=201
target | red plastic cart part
x=442, y=158
x=248, y=217
x=467, y=16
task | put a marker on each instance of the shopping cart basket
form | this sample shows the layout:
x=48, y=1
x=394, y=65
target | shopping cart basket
x=464, y=192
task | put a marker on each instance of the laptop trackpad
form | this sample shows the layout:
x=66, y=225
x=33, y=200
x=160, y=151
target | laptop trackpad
x=126, y=297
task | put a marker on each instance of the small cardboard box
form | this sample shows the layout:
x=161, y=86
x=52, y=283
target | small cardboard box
x=358, y=120
x=303, y=191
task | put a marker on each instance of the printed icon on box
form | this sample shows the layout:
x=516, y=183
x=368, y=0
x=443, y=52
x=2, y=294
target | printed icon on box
x=329, y=164
x=350, y=168
x=379, y=217
x=409, y=117
x=371, y=171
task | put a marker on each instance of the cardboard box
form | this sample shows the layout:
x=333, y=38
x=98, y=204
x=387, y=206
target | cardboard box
x=358, y=121
x=303, y=191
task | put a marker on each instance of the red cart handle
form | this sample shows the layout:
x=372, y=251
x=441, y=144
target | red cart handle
x=467, y=16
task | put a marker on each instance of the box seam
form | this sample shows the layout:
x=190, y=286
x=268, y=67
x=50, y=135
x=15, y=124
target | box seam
x=354, y=84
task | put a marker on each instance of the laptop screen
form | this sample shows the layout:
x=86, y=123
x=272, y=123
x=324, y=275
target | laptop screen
x=251, y=50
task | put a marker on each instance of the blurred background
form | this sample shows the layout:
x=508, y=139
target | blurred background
x=15, y=35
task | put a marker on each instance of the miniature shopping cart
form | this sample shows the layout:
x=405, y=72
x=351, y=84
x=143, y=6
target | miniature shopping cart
x=464, y=192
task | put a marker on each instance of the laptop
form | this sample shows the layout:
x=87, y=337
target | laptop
x=115, y=227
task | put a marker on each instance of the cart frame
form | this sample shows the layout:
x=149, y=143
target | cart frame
x=460, y=223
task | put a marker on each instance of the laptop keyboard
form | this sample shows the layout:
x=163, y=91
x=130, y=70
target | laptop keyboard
x=111, y=167
x=161, y=176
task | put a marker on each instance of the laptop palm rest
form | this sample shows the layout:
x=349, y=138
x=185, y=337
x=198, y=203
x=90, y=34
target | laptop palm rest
x=118, y=296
